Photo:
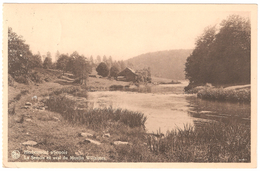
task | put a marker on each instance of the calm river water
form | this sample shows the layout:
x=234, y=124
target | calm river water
x=168, y=108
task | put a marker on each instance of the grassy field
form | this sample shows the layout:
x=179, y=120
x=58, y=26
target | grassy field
x=61, y=122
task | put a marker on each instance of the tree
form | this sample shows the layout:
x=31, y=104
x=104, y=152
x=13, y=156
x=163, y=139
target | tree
x=98, y=59
x=36, y=61
x=114, y=71
x=232, y=51
x=144, y=75
x=62, y=63
x=19, y=55
x=223, y=56
x=81, y=68
x=91, y=60
x=47, y=63
x=102, y=69
x=104, y=58
x=57, y=56
x=198, y=62
x=122, y=65
x=48, y=55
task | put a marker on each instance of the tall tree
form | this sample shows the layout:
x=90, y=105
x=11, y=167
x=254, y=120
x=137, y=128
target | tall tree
x=47, y=64
x=62, y=63
x=223, y=56
x=198, y=62
x=98, y=59
x=104, y=59
x=57, y=55
x=19, y=54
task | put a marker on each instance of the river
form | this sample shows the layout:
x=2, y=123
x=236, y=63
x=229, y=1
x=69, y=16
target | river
x=167, y=107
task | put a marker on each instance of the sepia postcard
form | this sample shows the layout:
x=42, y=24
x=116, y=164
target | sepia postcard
x=129, y=85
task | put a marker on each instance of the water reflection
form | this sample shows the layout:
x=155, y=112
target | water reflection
x=161, y=89
x=219, y=111
x=167, y=107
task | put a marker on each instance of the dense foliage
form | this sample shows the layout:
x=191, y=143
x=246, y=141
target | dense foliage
x=47, y=63
x=222, y=56
x=102, y=69
x=20, y=58
x=114, y=71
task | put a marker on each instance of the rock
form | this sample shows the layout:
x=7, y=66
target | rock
x=25, y=107
x=19, y=119
x=28, y=120
x=106, y=135
x=46, y=107
x=120, y=143
x=34, y=98
x=55, y=118
x=36, y=151
x=28, y=104
x=41, y=108
x=85, y=134
x=92, y=141
x=30, y=143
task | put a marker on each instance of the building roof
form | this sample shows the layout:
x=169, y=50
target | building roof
x=131, y=70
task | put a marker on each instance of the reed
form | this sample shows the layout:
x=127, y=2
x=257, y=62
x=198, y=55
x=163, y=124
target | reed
x=220, y=94
x=96, y=118
x=212, y=142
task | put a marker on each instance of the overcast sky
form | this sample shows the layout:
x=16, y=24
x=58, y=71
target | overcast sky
x=115, y=30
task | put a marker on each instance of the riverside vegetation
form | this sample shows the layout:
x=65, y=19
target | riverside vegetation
x=208, y=142
x=212, y=142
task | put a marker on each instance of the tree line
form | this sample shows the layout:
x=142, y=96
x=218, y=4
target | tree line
x=222, y=55
x=21, y=61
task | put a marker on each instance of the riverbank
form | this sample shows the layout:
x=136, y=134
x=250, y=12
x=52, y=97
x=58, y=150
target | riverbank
x=240, y=93
x=62, y=126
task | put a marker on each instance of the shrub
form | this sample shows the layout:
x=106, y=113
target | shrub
x=73, y=90
x=11, y=80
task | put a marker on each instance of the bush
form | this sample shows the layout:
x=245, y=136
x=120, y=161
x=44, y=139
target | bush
x=11, y=80
x=73, y=90
x=23, y=79
x=37, y=77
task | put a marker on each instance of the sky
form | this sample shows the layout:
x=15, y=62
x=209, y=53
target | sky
x=120, y=31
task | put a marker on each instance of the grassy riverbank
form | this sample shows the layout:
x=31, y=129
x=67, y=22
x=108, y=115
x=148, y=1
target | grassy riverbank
x=241, y=94
x=208, y=142
x=63, y=120
x=221, y=94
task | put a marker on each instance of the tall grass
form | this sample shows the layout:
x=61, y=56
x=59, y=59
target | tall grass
x=212, y=142
x=94, y=118
x=221, y=94
x=73, y=90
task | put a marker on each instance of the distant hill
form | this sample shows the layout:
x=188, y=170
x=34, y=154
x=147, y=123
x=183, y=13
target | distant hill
x=165, y=64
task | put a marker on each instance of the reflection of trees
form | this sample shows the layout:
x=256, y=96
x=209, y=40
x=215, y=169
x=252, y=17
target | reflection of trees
x=205, y=111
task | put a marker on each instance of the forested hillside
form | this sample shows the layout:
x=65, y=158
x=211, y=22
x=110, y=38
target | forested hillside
x=165, y=64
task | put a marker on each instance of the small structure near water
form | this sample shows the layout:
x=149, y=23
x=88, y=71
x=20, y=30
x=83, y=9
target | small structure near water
x=127, y=74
